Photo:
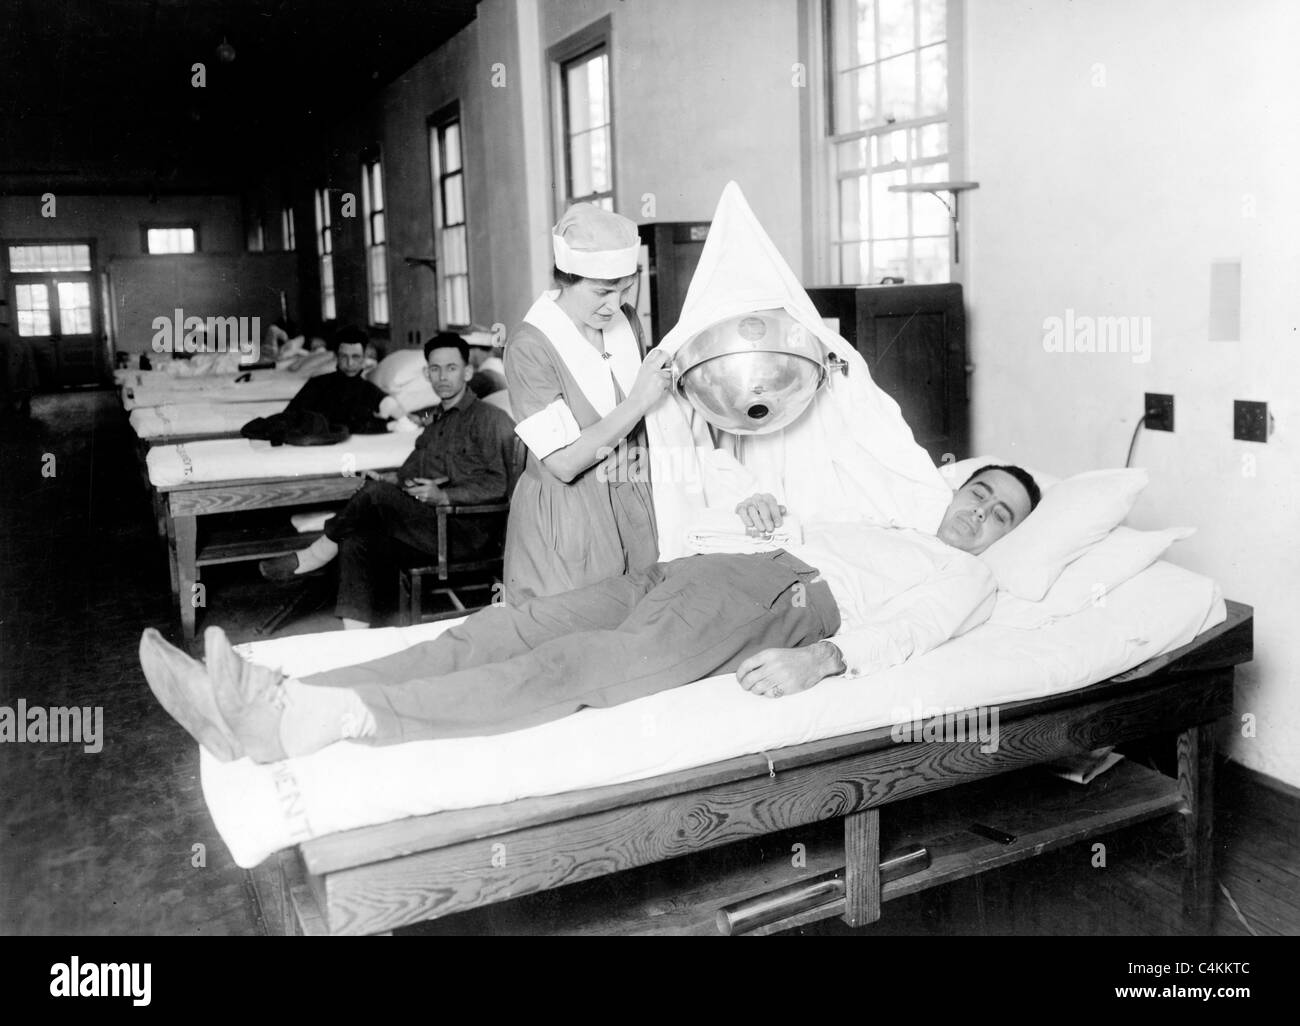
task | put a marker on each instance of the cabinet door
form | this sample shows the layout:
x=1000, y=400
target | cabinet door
x=913, y=338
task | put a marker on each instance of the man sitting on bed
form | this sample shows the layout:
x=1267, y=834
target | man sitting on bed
x=883, y=595
x=344, y=397
x=462, y=458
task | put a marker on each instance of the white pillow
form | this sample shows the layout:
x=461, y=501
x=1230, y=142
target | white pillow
x=398, y=370
x=1072, y=517
x=956, y=474
x=1121, y=555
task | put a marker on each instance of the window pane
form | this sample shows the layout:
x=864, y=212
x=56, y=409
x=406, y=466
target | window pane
x=33, y=309
x=378, y=229
x=853, y=209
x=451, y=148
x=32, y=297
x=930, y=140
x=855, y=99
x=455, y=252
x=578, y=96
x=930, y=173
x=74, y=307
x=934, y=80
x=453, y=209
x=934, y=20
x=888, y=209
x=852, y=156
x=889, y=259
x=376, y=186
x=929, y=216
x=898, y=87
x=891, y=148
x=580, y=161
x=930, y=260
x=25, y=259
x=597, y=83
x=863, y=33
x=896, y=27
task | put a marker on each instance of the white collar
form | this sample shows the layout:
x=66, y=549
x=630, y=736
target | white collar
x=594, y=373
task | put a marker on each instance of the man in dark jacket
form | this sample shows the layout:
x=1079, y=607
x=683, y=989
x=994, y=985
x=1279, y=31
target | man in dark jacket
x=467, y=455
x=344, y=398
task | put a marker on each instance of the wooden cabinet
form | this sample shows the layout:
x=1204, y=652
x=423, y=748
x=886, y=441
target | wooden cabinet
x=670, y=252
x=913, y=338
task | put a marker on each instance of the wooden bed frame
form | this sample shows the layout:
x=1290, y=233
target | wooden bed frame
x=685, y=844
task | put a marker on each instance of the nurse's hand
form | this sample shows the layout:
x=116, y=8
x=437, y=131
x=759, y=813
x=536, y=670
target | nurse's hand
x=652, y=380
x=777, y=672
x=761, y=513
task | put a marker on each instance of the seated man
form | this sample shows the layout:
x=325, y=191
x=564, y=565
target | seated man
x=344, y=397
x=463, y=457
x=883, y=595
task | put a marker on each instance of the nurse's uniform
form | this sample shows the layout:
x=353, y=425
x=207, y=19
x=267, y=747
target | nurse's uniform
x=602, y=524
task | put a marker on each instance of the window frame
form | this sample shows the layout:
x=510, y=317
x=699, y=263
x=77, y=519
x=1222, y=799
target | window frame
x=146, y=226
x=324, y=232
x=599, y=35
x=826, y=178
x=372, y=164
x=436, y=124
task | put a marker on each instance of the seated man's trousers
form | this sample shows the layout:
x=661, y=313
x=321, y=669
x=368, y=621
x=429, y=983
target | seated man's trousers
x=382, y=528
x=673, y=623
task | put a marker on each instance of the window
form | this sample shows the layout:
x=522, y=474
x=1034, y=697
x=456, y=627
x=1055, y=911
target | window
x=325, y=254
x=889, y=108
x=33, y=303
x=37, y=258
x=170, y=238
x=372, y=203
x=288, y=234
x=256, y=240
x=587, y=131
x=451, y=242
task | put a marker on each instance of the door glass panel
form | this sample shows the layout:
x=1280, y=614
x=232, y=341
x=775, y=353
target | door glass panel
x=74, y=307
x=33, y=309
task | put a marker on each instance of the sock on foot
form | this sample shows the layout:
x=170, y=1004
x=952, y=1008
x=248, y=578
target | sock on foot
x=316, y=555
x=354, y=625
x=315, y=717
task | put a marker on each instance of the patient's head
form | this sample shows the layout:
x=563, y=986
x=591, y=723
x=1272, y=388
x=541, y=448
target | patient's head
x=993, y=501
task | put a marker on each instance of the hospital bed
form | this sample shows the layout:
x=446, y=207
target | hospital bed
x=220, y=476
x=692, y=801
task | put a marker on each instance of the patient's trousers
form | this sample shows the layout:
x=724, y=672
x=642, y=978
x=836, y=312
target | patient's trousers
x=506, y=668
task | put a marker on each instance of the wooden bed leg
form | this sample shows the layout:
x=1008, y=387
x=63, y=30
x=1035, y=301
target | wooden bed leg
x=186, y=528
x=862, y=867
x=1196, y=782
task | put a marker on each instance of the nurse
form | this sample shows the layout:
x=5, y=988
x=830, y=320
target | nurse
x=580, y=386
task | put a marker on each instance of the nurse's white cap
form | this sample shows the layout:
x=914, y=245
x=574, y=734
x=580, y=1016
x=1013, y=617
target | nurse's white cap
x=595, y=243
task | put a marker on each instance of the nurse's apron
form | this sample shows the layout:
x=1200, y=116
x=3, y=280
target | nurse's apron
x=561, y=535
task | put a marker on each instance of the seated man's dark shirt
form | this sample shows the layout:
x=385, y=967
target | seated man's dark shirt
x=352, y=402
x=471, y=445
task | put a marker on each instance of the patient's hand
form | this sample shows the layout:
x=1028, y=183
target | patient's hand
x=761, y=513
x=775, y=672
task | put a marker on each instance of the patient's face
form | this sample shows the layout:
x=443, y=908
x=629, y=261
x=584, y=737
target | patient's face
x=983, y=510
x=352, y=359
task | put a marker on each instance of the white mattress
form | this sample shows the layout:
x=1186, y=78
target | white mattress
x=264, y=387
x=201, y=418
x=235, y=459
x=260, y=809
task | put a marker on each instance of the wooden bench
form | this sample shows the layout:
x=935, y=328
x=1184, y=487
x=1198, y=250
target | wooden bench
x=708, y=835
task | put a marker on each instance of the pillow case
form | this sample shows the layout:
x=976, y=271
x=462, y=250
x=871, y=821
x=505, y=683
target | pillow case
x=1071, y=518
x=1121, y=555
x=398, y=369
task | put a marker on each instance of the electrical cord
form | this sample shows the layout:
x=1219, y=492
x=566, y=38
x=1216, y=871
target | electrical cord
x=1142, y=420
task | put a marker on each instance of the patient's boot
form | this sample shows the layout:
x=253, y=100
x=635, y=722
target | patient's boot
x=185, y=690
x=250, y=698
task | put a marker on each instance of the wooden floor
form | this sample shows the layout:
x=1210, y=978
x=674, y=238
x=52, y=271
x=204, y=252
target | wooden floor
x=95, y=844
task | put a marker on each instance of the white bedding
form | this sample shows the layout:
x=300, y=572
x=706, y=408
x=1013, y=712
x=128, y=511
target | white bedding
x=260, y=809
x=201, y=418
x=235, y=459
x=263, y=387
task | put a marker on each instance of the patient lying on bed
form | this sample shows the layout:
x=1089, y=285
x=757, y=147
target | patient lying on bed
x=883, y=595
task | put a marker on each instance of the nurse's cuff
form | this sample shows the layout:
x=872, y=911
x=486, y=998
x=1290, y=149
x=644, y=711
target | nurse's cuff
x=549, y=430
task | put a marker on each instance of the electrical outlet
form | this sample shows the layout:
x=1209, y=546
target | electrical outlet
x=1249, y=421
x=1159, y=412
